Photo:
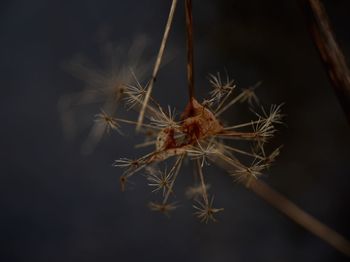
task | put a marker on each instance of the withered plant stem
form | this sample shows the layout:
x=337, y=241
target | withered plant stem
x=175, y=170
x=189, y=43
x=157, y=63
x=201, y=176
x=300, y=217
x=329, y=50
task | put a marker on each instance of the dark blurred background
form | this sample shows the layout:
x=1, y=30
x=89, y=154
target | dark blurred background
x=58, y=204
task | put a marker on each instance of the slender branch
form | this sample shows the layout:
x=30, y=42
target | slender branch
x=287, y=207
x=300, y=217
x=204, y=187
x=175, y=170
x=330, y=52
x=189, y=43
x=157, y=63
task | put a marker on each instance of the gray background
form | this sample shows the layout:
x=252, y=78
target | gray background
x=59, y=205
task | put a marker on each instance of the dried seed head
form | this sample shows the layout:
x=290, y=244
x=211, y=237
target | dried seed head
x=107, y=121
x=272, y=156
x=165, y=119
x=200, y=137
x=162, y=207
x=248, y=94
x=160, y=181
x=263, y=130
x=273, y=116
x=205, y=210
x=202, y=152
x=134, y=94
x=220, y=89
x=247, y=174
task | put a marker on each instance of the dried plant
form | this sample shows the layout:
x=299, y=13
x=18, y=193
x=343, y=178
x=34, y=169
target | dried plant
x=199, y=134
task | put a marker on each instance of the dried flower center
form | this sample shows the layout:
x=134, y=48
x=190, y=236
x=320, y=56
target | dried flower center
x=199, y=122
x=166, y=139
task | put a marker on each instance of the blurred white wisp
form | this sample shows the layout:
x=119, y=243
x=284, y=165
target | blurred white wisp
x=103, y=90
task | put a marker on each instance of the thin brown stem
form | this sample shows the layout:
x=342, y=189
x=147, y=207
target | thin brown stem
x=287, y=207
x=157, y=63
x=330, y=52
x=175, y=170
x=189, y=43
x=300, y=217
x=204, y=187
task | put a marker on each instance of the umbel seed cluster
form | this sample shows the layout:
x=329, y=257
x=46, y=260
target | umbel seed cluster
x=198, y=135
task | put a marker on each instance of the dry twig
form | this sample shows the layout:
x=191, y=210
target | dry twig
x=157, y=64
x=299, y=216
x=189, y=42
x=330, y=52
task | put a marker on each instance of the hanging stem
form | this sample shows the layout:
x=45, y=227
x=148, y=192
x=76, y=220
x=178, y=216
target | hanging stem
x=189, y=43
x=300, y=217
x=157, y=63
x=287, y=207
x=330, y=52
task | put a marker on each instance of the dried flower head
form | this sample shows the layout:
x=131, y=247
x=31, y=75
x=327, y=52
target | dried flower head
x=104, y=88
x=220, y=89
x=134, y=93
x=202, y=153
x=199, y=135
x=205, y=210
x=108, y=122
x=163, y=208
x=161, y=181
x=196, y=134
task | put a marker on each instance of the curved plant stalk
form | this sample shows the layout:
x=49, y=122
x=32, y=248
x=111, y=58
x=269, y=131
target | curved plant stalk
x=189, y=42
x=300, y=217
x=157, y=63
x=329, y=50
